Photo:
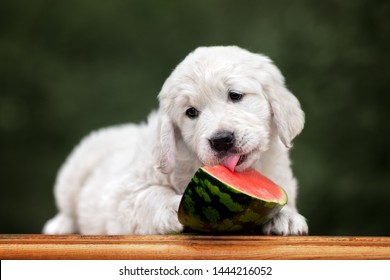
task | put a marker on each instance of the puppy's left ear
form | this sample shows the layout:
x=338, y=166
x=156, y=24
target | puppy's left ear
x=167, y=146
x=287, y=114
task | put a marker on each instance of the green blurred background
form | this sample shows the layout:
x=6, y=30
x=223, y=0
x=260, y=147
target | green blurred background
x=69, y=67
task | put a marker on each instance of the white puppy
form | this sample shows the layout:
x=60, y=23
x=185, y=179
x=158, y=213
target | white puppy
x=221, y=105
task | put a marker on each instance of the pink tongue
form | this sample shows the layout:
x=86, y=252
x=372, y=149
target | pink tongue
x=231, y=161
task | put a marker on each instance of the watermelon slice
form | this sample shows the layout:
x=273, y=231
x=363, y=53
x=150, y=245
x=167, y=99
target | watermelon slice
x=219, y=200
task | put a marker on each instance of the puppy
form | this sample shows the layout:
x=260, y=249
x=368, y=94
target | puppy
x=221, y=105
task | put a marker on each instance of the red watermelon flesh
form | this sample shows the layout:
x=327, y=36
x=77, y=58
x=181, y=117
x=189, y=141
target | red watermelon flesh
x=249, y=181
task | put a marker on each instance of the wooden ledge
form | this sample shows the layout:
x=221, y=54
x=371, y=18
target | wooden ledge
x=193, y=247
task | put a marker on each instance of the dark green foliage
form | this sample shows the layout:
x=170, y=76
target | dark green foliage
x=68, y=67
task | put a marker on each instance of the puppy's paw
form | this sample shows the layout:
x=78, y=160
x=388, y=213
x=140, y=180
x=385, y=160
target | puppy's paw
x=170, y=222
x=60, y=224
x=286, y=222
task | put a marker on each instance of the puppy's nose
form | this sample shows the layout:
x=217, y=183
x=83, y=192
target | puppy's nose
x=222, y=141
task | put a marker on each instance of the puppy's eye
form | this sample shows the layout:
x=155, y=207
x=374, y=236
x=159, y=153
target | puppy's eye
x=192, y=113
x=235, y=96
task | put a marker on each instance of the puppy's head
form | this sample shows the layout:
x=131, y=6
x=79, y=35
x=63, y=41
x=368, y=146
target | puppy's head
x=226, y=104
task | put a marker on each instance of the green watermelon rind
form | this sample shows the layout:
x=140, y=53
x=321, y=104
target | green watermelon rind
x=209, y=205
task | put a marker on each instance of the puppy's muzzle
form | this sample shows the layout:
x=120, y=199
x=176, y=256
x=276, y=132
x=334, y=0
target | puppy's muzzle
x=222, y=141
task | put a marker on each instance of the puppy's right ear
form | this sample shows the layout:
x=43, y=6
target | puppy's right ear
x=167, y=146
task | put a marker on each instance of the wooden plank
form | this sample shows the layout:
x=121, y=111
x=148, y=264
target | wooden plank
x=194, y=247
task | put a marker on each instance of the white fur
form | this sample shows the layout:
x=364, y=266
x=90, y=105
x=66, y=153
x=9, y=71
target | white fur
x=129, y=179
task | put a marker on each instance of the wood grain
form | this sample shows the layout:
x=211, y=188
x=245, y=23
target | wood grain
x=194, y=247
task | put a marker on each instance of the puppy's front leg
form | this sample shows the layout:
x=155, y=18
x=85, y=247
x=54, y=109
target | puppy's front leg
x=149, y=210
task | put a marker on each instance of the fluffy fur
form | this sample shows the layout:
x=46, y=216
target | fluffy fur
x=129, y=179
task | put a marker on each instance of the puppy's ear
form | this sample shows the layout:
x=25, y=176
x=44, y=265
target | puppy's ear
x=167, y=146
x=286, y=110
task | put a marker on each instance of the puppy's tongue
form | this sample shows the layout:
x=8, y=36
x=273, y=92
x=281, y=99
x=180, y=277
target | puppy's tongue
x=231, y=161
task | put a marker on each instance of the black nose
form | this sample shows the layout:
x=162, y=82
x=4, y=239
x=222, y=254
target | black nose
x=222, y=141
